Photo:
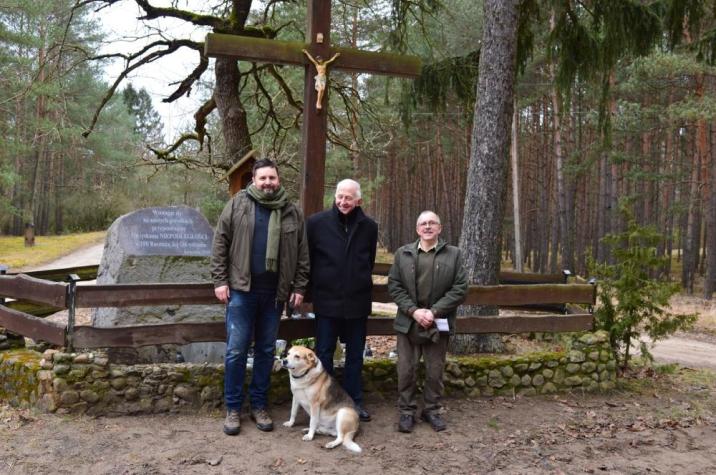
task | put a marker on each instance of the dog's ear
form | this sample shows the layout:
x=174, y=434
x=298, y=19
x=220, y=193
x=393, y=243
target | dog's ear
x=311, y=358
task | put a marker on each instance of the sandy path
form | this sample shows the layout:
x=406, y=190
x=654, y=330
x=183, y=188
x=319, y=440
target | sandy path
x=85, y=256
x=686, y=352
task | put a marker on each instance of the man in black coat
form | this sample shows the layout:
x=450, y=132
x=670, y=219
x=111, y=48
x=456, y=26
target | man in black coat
x=342, y=244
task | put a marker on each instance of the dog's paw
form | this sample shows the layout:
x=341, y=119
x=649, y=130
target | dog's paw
x=305, y=430
x=308, y=437
x=333, y=444
x=288, y=424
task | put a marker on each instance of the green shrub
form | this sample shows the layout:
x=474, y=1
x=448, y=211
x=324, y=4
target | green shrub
x=631, y=301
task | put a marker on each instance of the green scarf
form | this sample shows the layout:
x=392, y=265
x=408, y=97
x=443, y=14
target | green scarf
x=275, y=202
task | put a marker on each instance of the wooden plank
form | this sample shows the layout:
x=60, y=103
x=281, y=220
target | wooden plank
x=381, y=268
x=132, y=337
x=36, y=309
x=31, y=326
x=390, y=64
x=525, y=323
x=23, y=287
x=351, y=60
x=506, y=277
x=129, y=295
x=516, y=278
x=183, y=333
x=290, y=329
x=315, y=121
x=60, y=275
x=536, y=296
x=517, y=295
x=255, y=49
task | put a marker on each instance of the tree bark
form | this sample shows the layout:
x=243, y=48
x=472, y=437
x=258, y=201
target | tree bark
x=517, y=259
x=489, y=157
x=234, y=125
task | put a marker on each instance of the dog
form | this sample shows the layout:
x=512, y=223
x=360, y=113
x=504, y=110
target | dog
x=330, y=408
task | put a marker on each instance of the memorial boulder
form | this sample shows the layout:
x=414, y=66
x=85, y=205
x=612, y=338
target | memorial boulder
x=159, y=245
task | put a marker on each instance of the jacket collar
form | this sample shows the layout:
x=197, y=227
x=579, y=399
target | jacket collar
x=413, y=248
x=356, y=215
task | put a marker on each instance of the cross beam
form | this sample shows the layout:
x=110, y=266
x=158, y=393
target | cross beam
x=315, y=123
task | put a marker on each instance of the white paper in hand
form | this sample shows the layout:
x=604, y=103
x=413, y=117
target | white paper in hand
x=442, y=324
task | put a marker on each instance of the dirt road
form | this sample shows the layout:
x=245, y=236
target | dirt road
x=664, y=427
x=82, y=257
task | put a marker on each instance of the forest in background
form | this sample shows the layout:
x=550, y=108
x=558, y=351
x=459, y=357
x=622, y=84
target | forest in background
x=52, y=176
x=639, y=131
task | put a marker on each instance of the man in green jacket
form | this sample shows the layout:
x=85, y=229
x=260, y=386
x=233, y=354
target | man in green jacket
x=428, y=282
x=259, y=262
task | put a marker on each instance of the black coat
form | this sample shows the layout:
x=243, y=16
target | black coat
x=342, y=251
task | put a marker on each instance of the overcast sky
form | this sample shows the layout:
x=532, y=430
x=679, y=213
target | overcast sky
x=127, y=34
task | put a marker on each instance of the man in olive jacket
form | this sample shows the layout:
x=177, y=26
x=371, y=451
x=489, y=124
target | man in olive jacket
x=342, y=243
x=428, y=282
x=259, y=262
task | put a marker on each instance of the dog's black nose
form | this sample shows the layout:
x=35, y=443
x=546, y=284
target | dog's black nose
x=284, y=362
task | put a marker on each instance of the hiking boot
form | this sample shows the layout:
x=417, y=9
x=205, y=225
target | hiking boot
x=262, y=419
x=232, y=423
x=406, y=423
x=436, y=422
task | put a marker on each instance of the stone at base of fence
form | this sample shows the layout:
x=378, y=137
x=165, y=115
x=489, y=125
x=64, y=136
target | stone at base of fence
x=87, y=383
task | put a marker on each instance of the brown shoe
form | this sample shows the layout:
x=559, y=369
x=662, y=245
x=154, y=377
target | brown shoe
x=232, y=423
x=262, y=419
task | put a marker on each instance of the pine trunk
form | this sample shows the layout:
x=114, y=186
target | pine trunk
x=489, y=158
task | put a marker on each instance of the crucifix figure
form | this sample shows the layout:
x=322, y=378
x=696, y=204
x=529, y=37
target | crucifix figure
x=315, y=125
x=320, y=78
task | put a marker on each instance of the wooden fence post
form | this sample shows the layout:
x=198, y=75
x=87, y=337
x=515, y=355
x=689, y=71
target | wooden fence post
x=71, y=307
x=29, y=234
x=3, y=271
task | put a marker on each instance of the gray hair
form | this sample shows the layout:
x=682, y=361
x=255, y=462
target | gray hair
x=347, y=182
x=427, y=211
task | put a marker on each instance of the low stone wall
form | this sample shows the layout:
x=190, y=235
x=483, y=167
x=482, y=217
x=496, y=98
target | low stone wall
x=88, y=383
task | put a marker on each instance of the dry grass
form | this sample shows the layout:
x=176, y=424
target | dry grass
x=15, y=255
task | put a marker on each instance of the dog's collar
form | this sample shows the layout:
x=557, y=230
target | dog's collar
x=304, y=374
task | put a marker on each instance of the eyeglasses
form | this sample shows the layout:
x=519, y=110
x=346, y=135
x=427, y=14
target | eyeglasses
x=428, y=223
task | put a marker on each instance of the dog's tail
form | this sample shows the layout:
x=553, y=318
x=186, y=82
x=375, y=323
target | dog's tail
x=347, y=422
x=349, y=444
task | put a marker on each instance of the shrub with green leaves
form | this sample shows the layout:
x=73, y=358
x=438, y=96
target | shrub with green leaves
x=632, y=299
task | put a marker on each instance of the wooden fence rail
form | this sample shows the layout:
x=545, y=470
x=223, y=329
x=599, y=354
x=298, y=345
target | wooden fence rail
x=89, y=272
x=61, y=295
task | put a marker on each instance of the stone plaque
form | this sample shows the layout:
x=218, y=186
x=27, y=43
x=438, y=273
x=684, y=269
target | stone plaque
x=175, y=231
x=159, y=245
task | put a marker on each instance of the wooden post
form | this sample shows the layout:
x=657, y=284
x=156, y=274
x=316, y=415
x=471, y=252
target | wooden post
x=315, y=122
x=29, y=234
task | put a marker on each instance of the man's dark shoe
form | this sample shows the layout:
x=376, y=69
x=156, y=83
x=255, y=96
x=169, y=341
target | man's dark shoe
x=262, y=419
x=232, y=423
x=363, y=415
x=406, y=423
x=436, y=422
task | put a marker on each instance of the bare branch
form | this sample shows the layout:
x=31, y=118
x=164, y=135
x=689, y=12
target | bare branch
x=200, y=120
x=171, y=46
x=152, y=12
x=188, y=82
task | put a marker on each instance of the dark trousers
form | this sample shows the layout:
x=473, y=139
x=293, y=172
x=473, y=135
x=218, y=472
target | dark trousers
x=352, y=332
x=250, y=316
x=409, y=353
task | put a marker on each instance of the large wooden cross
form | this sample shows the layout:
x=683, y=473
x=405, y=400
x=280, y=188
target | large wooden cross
x=315, y=121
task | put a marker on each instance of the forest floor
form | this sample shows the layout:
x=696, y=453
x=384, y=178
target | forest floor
x=659, y=420
x=656, y=422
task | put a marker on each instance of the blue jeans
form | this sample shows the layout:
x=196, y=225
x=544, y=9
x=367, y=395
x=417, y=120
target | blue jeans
x=250, y=315
x=352, y=332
